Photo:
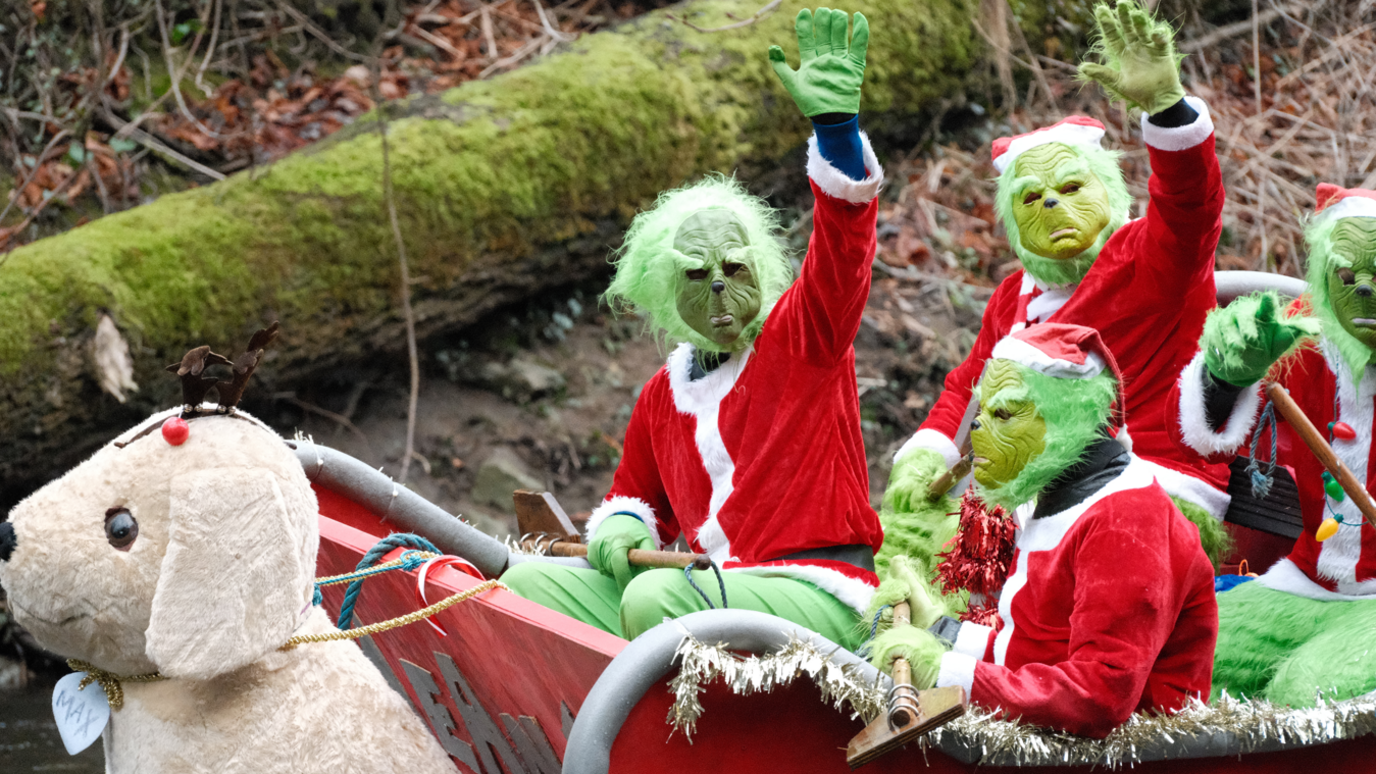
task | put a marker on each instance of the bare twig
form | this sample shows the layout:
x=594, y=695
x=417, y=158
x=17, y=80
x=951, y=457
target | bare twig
x=210, y=49
x=320, y=35
x=550, y=29
x=1256, y=69
x=42, y=157
x=126, y=129
x=339, y=419
x=746, y=22
x=178, y=73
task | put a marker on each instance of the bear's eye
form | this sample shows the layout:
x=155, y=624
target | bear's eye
x=121, y=528
x=1346, y=276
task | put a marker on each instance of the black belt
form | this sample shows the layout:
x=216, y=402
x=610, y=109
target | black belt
x=856, y=556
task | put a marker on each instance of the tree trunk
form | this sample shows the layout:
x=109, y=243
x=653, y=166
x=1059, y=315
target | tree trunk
x=504, y=187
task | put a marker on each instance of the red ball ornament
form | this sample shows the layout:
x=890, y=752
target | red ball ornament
x=1343, y=431
x=175, y=431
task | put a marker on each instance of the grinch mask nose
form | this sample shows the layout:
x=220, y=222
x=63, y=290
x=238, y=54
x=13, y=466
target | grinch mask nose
x=1050, y=203
x=6, y=541
x=1364, y=290
x=719, y=286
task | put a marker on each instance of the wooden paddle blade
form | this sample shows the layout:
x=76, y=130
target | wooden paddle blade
x=939, y=706
x=538, y=513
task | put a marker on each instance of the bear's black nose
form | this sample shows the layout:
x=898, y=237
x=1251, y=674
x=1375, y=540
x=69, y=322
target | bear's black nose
x=6, y=540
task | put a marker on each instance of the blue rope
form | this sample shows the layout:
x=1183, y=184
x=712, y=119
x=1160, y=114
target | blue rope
x=1261, y=482
x=688, y=573
x=864, y=650
x=374, y=555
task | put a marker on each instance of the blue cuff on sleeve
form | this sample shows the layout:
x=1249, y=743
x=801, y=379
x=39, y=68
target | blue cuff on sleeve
x=840, y=145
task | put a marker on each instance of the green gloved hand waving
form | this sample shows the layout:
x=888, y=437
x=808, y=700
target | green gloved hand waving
x=1141, y=63
x=1242, y=340
x=607, y=552
x=832, y=64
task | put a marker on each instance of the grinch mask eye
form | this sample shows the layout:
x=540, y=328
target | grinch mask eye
x=1069, y=188
x=1346, y=276
x=696, y=275
x=731, y=269
x=1003, y=414
x=1031, y=197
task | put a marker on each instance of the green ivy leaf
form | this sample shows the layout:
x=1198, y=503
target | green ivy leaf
x=76, y=153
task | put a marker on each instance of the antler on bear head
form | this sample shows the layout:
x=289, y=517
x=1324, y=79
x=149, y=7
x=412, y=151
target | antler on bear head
x=196, y=385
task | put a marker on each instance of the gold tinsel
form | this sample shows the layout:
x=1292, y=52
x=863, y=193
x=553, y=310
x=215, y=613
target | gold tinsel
x=1229, y=727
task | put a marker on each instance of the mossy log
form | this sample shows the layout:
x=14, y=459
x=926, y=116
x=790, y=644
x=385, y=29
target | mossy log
x=503, y=187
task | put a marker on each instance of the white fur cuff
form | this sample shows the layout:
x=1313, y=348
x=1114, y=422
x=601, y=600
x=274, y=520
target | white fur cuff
x=930, y=439
x=1194, y=424
x=1178, y=138
x=633, y=505
x=835, y=183
x=957, y=669
x=972, y=639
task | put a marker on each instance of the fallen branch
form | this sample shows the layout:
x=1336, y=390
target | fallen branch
x=127, y=129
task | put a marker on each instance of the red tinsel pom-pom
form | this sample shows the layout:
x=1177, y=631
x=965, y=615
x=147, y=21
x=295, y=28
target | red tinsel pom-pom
x=980, y=557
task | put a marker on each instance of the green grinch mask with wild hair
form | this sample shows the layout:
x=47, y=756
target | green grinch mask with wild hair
x=1060, y=204
x=719, y=297
x=1351, y=278
x=1031, y=428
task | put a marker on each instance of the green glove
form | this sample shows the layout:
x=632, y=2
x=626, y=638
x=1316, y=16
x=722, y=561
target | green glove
x=830, y=71
x=1141, y=63
x=905, y=583
x=1242, y=340
x=910, y=479
x=607, y=553
x=920, y=647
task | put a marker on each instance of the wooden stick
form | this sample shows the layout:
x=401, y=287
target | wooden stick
x=950, y=478
x=903, y=710
x=673, y=560
x=1280, y=398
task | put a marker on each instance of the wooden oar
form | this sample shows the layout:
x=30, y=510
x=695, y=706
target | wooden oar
x=911, y=712
x=1280, y=398
x=545, y=528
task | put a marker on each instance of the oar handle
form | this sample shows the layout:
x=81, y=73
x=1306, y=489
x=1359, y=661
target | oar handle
x=950, y=478
x=673, y=560
x=1280, y=398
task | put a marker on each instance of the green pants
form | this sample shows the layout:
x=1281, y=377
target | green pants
x=655, y=595
x=1287, y=649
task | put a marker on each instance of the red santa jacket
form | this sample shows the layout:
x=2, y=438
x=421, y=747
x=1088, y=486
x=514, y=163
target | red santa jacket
x=763, y=457
x=1147, y=294
x=1344, y=566
x=1109, y=609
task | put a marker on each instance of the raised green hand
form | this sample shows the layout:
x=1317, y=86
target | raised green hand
x=607, y=552
x=831, y=66
x=1141, y=63
x=1242, y=340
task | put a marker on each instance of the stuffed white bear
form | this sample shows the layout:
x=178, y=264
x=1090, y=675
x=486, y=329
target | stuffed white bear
x=196, y=561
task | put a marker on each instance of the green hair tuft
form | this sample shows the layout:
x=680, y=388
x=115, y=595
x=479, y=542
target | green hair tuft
x=1104, y=164
x=649, y=270
x=1075, y=412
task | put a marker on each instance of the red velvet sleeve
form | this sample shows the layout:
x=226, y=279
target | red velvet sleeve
x=637, y=476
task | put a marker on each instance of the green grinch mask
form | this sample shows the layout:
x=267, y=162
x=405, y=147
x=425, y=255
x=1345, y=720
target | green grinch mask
x=1060, y=205
x=1008, y=432
x=718, y=295
x=1351, y=277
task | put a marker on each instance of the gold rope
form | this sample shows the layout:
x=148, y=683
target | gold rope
x=114, y=692
x=108, y=681
x=335, y=580
x=382, y=626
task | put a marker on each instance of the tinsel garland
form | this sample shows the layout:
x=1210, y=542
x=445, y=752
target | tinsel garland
x=1228, y=727
x=980, y=558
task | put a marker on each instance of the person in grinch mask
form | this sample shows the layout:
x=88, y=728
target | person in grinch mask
x=1301, y=631
x=748, y=440
x=1109, y=607
x=1145, y=284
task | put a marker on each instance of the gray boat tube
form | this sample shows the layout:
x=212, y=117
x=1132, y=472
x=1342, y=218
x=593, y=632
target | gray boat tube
x=408, y=511
x=1234, y=284
x=650, y=657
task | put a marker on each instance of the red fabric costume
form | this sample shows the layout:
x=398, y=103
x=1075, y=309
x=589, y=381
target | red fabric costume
x=1344, y=566
x=1147, y=294
x=1109, y=609
x=763, y=456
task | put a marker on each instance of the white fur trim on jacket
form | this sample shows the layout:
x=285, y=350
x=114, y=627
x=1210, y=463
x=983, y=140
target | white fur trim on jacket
x=972, y=639
x=957, y=669
x=1286, y=576
x=1178, y=138
x=614, y=505
x=851, y=592
x=930, y=439
x=1194, y=423
x=835, y=183
x=1187, y=487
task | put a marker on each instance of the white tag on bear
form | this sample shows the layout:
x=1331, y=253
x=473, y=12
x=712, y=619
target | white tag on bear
x=81, y=714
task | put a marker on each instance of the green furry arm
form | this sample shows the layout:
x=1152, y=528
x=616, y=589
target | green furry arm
x=1242, y=340
x=913, y=525
x=920, y=647
x=907, y=582
x=1213, y=537
x=1141, y=64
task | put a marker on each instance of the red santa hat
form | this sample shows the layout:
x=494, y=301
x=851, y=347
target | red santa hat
x=1335, y=202
x=1080, y=131
x=1062, y=351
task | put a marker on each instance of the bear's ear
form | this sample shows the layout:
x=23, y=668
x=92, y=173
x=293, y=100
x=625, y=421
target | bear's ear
x=238, y=570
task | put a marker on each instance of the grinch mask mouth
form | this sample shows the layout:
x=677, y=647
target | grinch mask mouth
x=1059, y=204
x=719, y=296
